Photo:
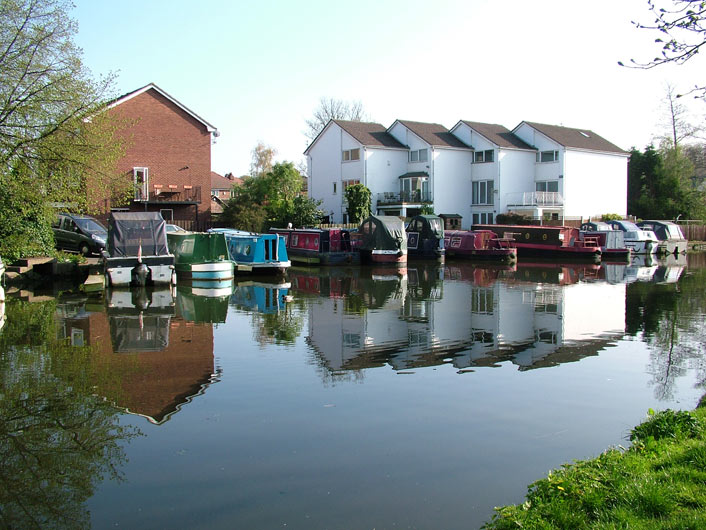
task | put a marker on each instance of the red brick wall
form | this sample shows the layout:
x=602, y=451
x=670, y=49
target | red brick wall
x=172, y=144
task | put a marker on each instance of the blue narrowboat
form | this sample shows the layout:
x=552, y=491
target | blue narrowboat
x=255, y=253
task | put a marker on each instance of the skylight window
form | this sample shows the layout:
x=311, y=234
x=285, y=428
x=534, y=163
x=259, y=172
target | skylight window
x=585, y=134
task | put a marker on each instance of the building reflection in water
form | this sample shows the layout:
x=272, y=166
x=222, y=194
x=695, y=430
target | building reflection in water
x=533, y=315
x=157, y=361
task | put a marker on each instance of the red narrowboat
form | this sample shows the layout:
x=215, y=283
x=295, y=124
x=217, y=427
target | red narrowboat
x=552, y=242
x=319, y=246
x=479, y=245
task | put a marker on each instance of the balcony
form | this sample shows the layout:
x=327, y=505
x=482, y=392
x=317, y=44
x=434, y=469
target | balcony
x=404, y=197
x=171, y=194
x=540, y=199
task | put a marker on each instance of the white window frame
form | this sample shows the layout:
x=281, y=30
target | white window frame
x=142, y=189
x=480, y=157
x=545, y=184
x=482, y=192
x=554, y=156
x=418, y=155
x=351, y=155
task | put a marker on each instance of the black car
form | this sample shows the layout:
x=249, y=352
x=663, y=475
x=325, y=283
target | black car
x=80, y=233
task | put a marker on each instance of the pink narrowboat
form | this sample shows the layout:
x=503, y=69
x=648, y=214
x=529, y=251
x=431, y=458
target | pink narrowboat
x=319, y=246
x=562, y=243
x=479, y=245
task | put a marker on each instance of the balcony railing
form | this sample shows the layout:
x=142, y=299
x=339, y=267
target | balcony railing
x=404, y=197
x=192, y=194
x=546, y=199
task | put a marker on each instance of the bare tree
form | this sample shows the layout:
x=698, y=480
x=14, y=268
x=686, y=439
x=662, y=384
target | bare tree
x=683, y=29
x=262, y=159
x=676, y=119
x=333, y=109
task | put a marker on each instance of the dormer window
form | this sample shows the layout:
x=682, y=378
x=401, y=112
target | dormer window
x=548, y=156
x=483, y=156
x=420, y=155
x=351, y=155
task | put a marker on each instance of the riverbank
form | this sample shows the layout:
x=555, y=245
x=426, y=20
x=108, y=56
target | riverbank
x=659, y=482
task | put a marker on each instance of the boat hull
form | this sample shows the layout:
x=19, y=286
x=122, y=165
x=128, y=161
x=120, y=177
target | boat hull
x=501, y=255
x=119, y=271
x=216, y=271
x=391, y=257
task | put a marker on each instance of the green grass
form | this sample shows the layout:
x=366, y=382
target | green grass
x=660, y=482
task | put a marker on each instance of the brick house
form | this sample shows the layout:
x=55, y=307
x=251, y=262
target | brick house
x=222, y=190
x=168, y=157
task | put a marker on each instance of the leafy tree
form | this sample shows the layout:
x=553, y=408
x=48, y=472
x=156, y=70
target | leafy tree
x=54, y=139
x=642, y=172
x=262, y=159
x=333, y=109
x=682, y=29
x=359, y=201
x=271, y=199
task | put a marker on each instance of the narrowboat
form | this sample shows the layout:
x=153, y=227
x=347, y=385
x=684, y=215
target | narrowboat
x=612, y=242
x=255, y=253
x=203, y=305
x=318, y=246
x=553, y=242
x=479, y=245
x=137, y=251
x=425, y=237
x=671, y=238
x=200, y=256
x=382, y=240
x=636, y=239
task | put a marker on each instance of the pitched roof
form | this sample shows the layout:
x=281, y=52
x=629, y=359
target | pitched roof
x=498, y=134
x=219, y=182
x=576, y=138
x=434, y=134
x=126, y=97
x=369, y=134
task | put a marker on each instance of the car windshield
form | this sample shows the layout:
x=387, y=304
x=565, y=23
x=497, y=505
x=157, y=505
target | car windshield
x=91, y=226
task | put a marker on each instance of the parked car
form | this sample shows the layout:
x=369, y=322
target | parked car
x=174, y=228
x=80, y=233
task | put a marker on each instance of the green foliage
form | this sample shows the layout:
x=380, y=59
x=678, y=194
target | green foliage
x=657, y=483
x=513, y=218
x=358, y=198
x=666, y=424
x=25, y=218
x=271, y=199
x=427, y=209
x=611, y=217
x=660, y=185
x=56, y=146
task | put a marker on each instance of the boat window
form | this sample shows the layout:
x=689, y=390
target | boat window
x=675, y=232
x=247, y=250
x=316, y=242
x=295, y=240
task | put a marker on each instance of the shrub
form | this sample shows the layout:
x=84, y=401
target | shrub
x=611, y=217
x=666, y=424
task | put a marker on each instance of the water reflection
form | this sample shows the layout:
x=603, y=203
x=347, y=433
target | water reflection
x=154, y=362
x=58, y=439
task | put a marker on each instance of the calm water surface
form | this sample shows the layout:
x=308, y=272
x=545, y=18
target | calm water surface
x=337, y=398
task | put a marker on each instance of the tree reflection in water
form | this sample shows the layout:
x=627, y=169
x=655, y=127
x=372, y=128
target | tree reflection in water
x=669, y=318
x=57, y=438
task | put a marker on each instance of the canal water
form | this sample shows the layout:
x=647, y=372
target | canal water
x=336, y=398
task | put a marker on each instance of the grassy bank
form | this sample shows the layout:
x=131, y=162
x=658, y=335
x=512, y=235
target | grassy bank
x=659, y=482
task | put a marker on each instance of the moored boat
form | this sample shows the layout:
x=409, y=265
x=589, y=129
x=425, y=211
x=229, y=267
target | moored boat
x=382, y=240
x=636, y=239
x=255, y=253
x=318, y=246
x=479, y=245
x=425, y=237
x=137, y=251
x=550, y=242
x=612, y=242
x=200, y=256
x=671, y=239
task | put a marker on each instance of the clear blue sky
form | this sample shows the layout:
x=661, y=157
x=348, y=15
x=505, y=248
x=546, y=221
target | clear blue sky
x=256, y=70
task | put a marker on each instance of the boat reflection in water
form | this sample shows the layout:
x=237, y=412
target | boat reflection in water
x=157, y=361
x=260, y=296
x=462, y=315
x=204, y=301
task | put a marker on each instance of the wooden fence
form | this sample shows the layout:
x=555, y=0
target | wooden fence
x=693, y=232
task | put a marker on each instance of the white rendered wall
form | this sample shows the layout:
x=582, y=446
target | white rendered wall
x=383, y=169
x=324, y=162
x=516, y=175
x=451, y=183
